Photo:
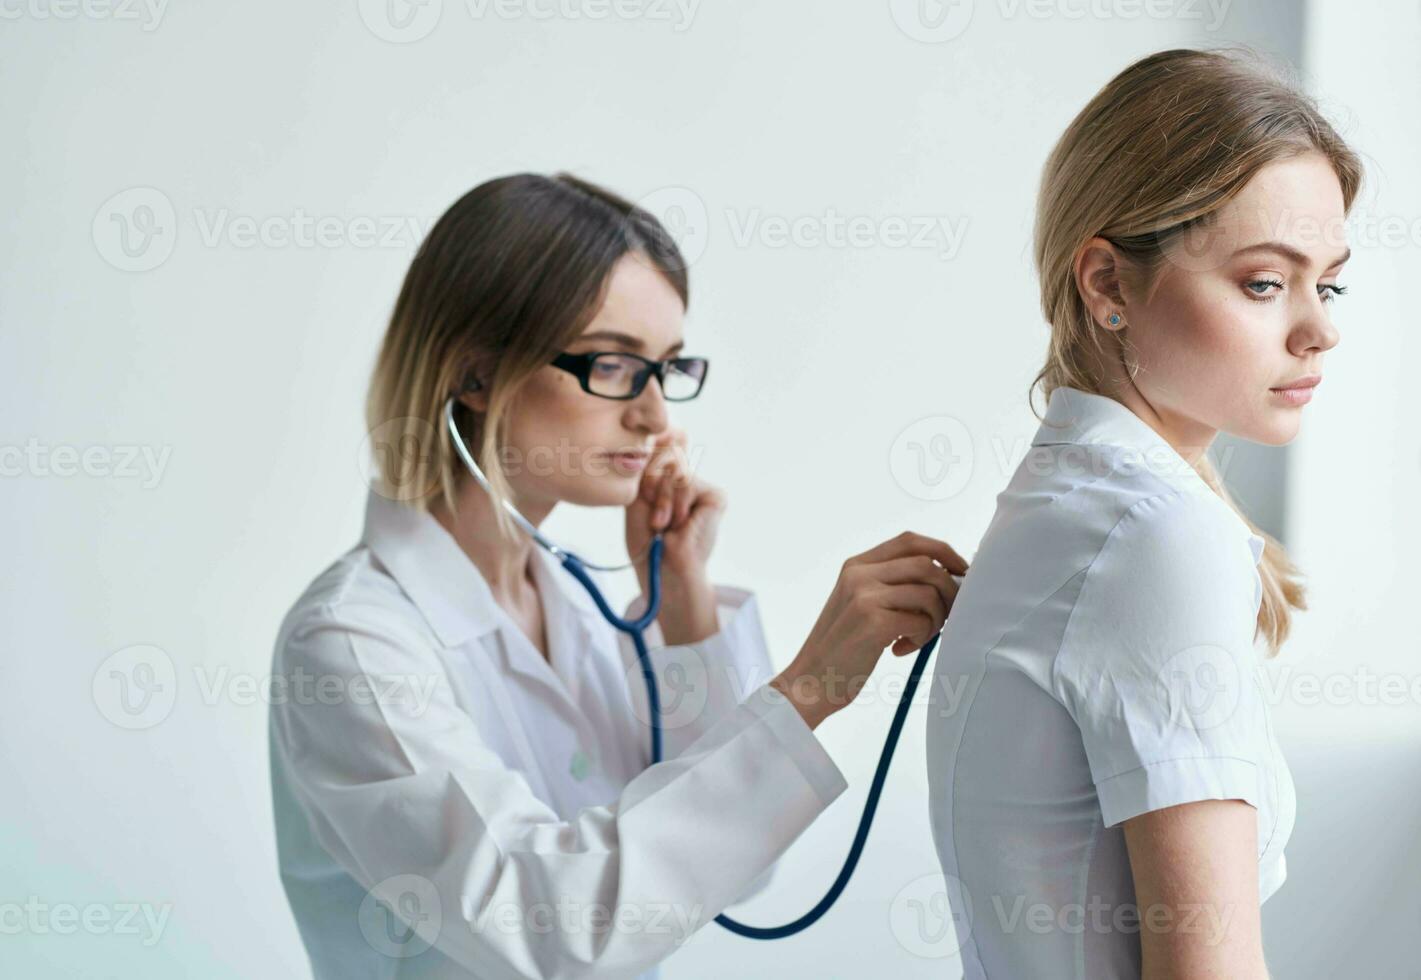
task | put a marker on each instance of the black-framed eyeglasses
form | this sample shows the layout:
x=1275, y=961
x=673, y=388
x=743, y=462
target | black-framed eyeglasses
x=618, y=375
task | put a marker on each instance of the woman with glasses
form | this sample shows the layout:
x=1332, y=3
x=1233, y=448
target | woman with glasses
x=474, y=798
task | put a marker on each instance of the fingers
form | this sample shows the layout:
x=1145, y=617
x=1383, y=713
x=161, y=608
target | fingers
x=908, y=631
x=912, y=543
x=665, y=497
x=916, y=569
x=917, y=599
x=671, y=491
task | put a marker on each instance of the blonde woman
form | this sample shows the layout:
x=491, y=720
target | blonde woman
x=1107, y=796
x=465, y=791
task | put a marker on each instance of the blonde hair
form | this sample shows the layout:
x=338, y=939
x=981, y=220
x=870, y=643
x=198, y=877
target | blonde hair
x=508, y=276
x=1158, y=152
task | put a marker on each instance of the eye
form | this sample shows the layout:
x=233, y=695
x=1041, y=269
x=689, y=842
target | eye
x=1264, y=283
x=1334, y=291
x=610, y=367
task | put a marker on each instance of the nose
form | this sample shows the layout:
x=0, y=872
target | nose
x=1315, y=332
x=647, y=411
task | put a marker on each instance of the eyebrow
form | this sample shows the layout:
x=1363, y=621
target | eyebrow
x=627, y=340
x=1288, y=252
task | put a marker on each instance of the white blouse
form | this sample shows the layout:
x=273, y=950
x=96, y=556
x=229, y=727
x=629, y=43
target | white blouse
x=1099, y=663
x=451, y=804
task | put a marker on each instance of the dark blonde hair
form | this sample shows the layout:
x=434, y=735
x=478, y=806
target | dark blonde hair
x=508, y=276
x=1155, y=154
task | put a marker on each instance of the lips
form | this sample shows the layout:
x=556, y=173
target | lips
x=629, y=462
x=1308, y=381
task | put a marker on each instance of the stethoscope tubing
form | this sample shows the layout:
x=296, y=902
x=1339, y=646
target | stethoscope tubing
x=636, y=629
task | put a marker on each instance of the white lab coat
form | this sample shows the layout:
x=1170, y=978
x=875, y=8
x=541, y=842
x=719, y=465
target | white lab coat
x=448, y=804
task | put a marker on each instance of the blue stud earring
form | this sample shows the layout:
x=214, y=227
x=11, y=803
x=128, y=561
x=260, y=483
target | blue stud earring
x=1114, y=319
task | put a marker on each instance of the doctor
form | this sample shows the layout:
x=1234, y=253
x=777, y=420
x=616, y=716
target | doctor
x=467, y=793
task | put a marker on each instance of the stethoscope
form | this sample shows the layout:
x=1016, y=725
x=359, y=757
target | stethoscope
x=635, y=629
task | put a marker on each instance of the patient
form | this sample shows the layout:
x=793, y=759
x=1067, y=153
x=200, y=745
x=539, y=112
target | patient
x=1107, y=795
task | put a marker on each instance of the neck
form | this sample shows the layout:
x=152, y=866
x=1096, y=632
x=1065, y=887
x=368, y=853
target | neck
x=505, y=563
x=1187, y=437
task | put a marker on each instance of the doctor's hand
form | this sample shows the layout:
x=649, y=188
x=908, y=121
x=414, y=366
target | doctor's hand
x=687, y=512
x=897, y=594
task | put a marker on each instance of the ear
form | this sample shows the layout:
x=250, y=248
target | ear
x=1098, y=278
x=473, y=394
x=475, y=400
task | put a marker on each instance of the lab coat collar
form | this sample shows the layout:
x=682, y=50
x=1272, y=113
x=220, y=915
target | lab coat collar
x=1084, y=418
x=443, y=582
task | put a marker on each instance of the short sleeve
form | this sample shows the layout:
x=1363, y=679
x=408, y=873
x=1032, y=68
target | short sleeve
x=1157, y=664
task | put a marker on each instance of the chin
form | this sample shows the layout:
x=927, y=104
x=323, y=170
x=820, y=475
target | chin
x=1277, y=429
x=606, y=491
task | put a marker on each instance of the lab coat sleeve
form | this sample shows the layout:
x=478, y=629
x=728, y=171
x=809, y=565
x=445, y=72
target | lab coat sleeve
x=400, y=788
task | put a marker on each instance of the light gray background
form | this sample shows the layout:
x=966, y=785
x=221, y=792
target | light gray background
x=241, y=365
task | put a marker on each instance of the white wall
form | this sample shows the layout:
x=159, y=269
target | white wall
x=241, y=369
x=1348, y=687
